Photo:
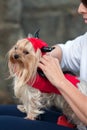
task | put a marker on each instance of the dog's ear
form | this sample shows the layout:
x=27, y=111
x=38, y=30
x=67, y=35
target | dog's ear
x=36, y=34
x=30, y=35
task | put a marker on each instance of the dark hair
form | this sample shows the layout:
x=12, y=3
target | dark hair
x=84, y=2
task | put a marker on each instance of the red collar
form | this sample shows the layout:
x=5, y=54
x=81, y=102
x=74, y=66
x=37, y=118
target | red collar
x=46, y=87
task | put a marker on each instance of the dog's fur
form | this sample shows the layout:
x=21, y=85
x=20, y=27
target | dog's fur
x=23, y=62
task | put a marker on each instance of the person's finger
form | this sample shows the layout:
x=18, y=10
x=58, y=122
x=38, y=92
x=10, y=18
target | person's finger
x=43, y=60
x=40, y=65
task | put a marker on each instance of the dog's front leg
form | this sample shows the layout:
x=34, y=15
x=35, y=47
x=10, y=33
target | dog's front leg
x=30, y=117
x=34, y=109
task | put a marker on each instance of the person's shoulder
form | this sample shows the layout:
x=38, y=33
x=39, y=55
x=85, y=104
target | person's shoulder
x=83, y=40
x=84, y=36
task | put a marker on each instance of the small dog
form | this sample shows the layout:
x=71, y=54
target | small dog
x=23, y=61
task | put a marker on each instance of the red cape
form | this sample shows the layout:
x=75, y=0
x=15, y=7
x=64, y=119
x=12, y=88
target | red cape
x=45, y=86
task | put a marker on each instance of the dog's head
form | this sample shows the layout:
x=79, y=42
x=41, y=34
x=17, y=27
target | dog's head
x=23, y=60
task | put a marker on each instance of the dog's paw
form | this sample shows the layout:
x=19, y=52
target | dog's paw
x=30, y=118
x=21, y=108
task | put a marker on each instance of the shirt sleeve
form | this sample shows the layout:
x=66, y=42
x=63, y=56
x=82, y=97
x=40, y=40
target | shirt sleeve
x=71, y=54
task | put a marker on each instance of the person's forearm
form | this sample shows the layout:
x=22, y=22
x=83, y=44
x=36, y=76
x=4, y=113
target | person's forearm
x=76, y=100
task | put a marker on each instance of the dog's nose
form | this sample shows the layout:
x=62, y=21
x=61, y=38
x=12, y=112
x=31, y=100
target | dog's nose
x=16, y=56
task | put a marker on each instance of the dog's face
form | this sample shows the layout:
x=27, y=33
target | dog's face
x=23, y=60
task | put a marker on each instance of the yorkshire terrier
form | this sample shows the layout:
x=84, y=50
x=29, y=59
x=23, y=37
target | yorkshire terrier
x=23, y=61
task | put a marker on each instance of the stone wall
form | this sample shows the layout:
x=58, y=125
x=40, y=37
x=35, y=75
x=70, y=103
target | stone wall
x=57, y=20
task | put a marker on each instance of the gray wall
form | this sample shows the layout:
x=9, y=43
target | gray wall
x=58, y=21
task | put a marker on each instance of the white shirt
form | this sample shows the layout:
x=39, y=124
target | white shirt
x=75, y=56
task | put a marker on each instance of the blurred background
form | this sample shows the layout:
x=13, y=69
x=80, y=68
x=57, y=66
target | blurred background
x=58, y=21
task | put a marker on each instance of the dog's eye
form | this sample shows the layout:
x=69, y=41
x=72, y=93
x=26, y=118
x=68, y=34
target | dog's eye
x=26, y=52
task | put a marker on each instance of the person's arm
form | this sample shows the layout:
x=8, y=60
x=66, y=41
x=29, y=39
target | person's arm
x=51, y=68
x=75, y=99
x=70, y=53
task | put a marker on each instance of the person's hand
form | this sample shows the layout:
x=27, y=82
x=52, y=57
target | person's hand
x=51, y=68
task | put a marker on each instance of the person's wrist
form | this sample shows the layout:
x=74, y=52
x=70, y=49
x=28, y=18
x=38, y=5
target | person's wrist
x=61, y=83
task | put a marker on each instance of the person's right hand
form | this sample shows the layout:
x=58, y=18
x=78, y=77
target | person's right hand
x=51, y=68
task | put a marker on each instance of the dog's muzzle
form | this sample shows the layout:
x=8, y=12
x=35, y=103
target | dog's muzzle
x=16, y=56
